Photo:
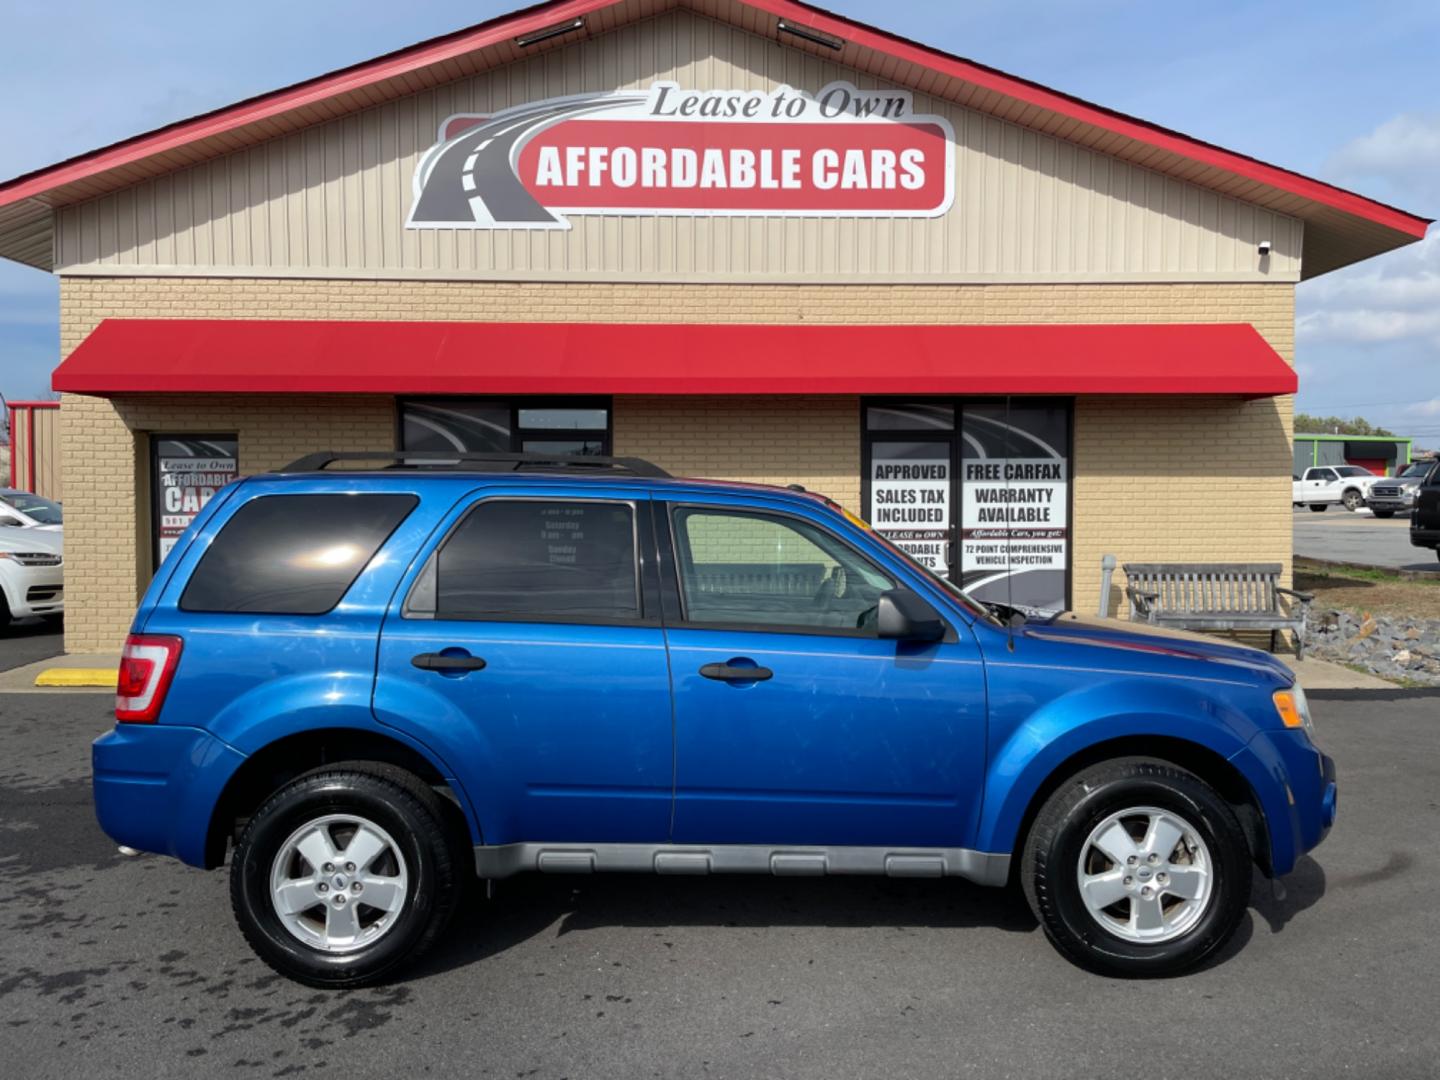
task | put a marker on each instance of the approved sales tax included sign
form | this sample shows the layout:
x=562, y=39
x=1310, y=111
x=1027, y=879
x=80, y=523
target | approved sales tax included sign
x=842, y=152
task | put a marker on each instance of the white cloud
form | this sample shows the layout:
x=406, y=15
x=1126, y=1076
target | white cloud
x=1424, y=408
x=1402, y=154
x=1393, y=298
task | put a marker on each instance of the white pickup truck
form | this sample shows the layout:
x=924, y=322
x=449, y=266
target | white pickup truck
x=1325, y=485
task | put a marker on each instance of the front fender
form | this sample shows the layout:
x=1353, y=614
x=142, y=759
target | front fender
x=1073, y=722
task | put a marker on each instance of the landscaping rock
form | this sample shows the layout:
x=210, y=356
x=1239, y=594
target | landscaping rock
x=1393, y=647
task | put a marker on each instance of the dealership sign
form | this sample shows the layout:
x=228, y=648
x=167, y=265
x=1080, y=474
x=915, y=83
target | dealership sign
x=842, y=152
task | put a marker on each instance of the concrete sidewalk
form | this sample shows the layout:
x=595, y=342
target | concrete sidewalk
x=92, y=667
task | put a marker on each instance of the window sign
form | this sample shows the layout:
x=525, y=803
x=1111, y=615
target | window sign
x=188, y=470
x=910, y=499
x=1014, y=522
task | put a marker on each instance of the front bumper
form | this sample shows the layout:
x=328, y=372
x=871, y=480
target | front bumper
x=1398, y=506
x=156, y=786
x=1298, y=793
x=34, y=590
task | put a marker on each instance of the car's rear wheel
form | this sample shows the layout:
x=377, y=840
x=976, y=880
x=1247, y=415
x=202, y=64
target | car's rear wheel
x=1319, y=508
x=1352, y=500
x=1136, y=867
x=345, y=874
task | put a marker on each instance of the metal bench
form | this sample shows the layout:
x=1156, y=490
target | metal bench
x=1217, y=596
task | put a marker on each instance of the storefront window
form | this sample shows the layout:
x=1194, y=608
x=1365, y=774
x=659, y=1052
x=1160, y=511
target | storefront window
x=488, y=425
x=984, y=503
x=186, y=470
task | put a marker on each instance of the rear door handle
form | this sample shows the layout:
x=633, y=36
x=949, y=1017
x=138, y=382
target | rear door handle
x=729, y=673
x=434, y=661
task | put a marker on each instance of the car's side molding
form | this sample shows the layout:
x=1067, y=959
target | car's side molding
x=503, y=860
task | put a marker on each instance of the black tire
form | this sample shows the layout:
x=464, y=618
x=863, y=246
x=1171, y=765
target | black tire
x=1319, y=508
x=1383, y=514
x=424, y=834
x=1050, y=864
x=1352, y=500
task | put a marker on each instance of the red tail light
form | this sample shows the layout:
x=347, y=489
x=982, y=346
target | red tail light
x=147, y=665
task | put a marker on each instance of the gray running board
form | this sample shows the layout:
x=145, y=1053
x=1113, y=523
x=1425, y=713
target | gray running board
x=503, y=860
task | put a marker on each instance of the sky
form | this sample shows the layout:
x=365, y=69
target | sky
x=1344, y=91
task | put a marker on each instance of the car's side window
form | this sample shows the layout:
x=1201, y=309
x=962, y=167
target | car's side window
x=754, y=569
x=541, y=559
x=293, y=554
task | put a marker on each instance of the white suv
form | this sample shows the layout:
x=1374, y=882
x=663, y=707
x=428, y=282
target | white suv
x=1325, y=485
x=32, y=568
x=21, y=508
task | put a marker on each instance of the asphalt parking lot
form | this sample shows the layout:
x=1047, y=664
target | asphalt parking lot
x=1339, y=535
x=114, y=966
x=28, y=640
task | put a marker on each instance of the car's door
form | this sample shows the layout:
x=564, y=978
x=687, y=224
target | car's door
x=1321, y=485
x=527, y=649
x=841, y=738
x=1426, y=514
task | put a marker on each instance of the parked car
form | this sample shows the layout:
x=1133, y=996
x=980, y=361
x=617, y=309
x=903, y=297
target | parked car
x=24, y=510
x=1425, y=518
x=31, y=574
x=1322, y=487
x=1396, y=495
x=365, y=684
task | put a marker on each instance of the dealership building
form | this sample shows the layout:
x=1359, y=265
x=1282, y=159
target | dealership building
x=741, y=238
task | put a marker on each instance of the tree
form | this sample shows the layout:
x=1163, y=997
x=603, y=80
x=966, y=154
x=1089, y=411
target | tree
x=1305, y=424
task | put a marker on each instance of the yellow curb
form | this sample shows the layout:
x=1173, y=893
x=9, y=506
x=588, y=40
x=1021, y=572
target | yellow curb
x=77, y=676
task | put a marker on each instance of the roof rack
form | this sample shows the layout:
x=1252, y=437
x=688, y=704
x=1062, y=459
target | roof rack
x=482, y=462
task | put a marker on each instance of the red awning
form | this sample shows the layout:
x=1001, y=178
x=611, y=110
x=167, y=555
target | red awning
x=124, y=356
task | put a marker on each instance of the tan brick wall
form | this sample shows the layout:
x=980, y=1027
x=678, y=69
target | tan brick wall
x=1176, y=478
x=107, y=508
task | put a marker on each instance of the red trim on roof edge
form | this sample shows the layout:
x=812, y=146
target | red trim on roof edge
x=202, y=356
x=1075, y=108
x=546, y=14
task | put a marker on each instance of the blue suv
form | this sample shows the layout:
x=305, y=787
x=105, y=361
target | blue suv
x=363, y=684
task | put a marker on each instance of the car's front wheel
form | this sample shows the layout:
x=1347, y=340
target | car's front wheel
x=1136, y=867
x=1383, y=514
x=1352, y=500
x=345, y=874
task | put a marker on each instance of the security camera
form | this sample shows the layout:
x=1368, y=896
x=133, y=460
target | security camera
x=1265, y=246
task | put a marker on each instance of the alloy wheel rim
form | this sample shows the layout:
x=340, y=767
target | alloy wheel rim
x=339, y=883
x=1145, y=875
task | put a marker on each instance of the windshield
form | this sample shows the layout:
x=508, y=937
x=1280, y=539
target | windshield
x=1352, y=470
x=45, y=511
x=1417, y=468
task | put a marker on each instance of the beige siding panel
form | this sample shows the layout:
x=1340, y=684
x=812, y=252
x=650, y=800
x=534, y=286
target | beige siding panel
x=331, y=200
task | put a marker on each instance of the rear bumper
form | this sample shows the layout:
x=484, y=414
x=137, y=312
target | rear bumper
x=1426, y=538
x=156, y=786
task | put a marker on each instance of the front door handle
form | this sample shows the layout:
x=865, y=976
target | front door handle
x=733, y=673
x=434, y=661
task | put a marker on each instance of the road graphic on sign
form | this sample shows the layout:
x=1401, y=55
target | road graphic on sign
x=471, y=181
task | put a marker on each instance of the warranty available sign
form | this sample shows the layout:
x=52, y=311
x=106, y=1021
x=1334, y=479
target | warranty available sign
x=842, y=152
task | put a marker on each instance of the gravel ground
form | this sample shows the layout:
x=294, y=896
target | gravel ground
x=113, y=966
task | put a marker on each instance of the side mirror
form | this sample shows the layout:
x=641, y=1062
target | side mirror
x=903, y=616
x=9, y=522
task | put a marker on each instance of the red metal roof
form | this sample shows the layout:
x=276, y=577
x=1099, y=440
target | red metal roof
x=123, y=356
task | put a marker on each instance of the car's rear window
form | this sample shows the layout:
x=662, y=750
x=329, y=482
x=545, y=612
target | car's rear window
x=293, y=554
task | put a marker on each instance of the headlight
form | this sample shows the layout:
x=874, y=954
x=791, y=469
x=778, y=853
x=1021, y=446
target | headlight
x=1294, y=709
